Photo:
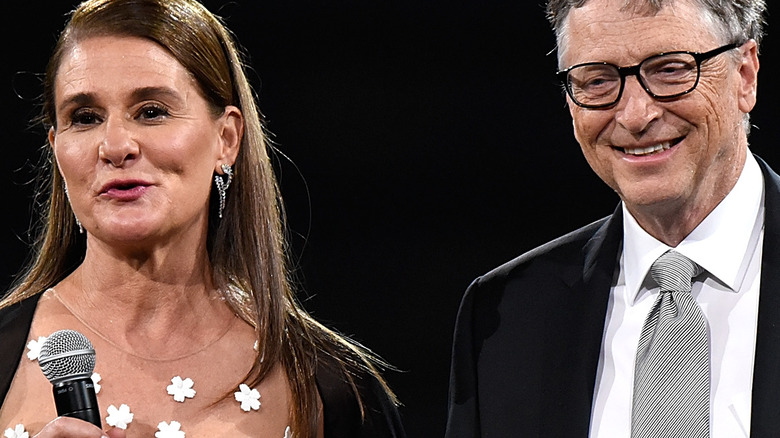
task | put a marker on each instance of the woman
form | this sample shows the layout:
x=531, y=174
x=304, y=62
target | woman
x=163, y=244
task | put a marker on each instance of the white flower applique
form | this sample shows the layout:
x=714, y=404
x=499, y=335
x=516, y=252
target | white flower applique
x=96, y=381
x=119, y=417
x=249, y=398
x=35, y=347
x=166, y=430
x=16, y=432
x=287, y=432
x=181, y=389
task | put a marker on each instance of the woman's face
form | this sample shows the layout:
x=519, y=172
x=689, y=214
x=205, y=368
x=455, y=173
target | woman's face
x=135, y=141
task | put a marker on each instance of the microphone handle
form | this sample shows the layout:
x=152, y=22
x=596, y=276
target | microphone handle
x=76, y=398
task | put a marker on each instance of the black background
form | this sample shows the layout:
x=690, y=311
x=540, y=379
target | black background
x=427, y=140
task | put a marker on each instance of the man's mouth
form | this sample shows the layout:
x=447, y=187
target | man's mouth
x=651, y=149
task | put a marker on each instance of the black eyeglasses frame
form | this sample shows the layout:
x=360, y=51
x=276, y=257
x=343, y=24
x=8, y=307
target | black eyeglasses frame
x=634, y=70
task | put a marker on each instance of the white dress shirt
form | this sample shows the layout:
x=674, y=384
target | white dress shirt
x=727, y=244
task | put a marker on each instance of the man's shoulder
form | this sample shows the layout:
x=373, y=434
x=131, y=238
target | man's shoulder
x=562, y=259
x=567, y=248
x=542, y=288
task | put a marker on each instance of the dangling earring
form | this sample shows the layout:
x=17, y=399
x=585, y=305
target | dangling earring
x=67, y=195
x=222, y=186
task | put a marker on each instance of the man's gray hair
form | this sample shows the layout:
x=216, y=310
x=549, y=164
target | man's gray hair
x=734, y=21
x=737, y=20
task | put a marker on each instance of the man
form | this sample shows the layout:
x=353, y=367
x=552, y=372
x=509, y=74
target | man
x=556, y=342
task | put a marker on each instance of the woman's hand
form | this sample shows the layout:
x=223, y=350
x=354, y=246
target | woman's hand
x=66, y=427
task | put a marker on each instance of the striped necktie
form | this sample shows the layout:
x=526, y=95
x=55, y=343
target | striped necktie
x=672, y=374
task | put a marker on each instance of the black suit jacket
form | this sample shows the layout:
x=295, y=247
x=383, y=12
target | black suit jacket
x=528, y=335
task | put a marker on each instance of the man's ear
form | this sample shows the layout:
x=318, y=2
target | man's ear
x=748, y=74
x=231, y=125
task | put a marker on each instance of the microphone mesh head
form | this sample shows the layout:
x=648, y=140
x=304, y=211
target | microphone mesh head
x=66, y=355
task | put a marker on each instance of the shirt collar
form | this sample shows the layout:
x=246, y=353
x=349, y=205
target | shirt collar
x=740, y=212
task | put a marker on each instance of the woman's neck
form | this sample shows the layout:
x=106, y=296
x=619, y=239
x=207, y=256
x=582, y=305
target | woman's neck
x=149, y=305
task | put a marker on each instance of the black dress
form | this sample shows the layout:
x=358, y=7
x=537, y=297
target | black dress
x=342, y=413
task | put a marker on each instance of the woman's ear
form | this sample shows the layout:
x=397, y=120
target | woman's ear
x=52, y=134
x=231, y=125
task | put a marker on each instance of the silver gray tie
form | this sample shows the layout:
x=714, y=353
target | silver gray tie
x=672, y=375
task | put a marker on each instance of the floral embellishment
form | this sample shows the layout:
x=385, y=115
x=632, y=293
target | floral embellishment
x=96, y=381
x=166, y=430
x=181, y=389
x=119, y=417
x=287, y=432
x=249, y=398
x=18, y=431
x=35, y=347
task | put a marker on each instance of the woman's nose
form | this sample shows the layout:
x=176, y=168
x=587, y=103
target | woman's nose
x=117, y=145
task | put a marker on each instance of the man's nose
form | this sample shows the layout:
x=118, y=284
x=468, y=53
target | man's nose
x=636, y=109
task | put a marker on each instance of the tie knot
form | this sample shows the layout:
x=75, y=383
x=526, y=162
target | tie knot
x=673, y=272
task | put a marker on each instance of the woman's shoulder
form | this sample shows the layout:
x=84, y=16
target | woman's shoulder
x=19, y=313
x=15, y=321
x=342, y=400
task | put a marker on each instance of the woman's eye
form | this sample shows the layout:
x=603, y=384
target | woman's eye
x=84, y=117
x=153, y=112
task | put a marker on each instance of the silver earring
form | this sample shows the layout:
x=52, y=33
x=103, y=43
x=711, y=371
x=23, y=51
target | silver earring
x=222, y=186
x=67, y=195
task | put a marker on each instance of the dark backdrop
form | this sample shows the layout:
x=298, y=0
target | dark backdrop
x=427, y=143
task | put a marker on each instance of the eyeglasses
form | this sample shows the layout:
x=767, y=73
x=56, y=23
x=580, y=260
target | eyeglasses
x=663, y=76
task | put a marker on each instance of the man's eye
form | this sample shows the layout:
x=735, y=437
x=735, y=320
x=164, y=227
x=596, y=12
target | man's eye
x=598, y=82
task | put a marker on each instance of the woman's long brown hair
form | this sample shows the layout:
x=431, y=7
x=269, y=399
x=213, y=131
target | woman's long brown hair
x=247, y=248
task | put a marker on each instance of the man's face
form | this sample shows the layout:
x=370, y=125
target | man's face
x=679, y=156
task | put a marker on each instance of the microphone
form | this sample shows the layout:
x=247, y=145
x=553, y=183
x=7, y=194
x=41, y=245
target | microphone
x=67, y=359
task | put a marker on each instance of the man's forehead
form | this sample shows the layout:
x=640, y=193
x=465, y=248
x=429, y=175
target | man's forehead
x=603, y=16
x=607, y=29
x=639, y=7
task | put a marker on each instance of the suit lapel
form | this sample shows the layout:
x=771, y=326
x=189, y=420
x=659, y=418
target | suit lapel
x=590, y=285
x=600, y=256
x=765, y=416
